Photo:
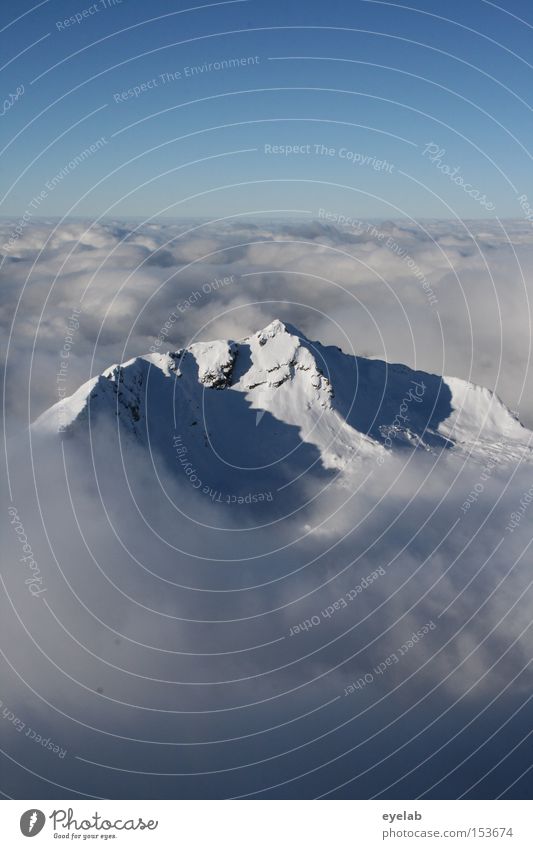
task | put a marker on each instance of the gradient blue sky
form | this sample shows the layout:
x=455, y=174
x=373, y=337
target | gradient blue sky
x=377, y=78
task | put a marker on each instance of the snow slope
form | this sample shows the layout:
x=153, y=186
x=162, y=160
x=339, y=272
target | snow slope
x=278, y=398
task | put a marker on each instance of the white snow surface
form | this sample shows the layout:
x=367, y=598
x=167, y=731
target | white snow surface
x=346, y=407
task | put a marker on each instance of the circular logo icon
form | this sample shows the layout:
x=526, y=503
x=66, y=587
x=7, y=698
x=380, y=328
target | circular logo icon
x=32, y=822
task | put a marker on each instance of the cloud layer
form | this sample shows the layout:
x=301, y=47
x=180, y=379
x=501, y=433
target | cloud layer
x=450, y=298
x=366, y=645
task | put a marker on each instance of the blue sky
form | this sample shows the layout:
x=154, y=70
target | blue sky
x=373, y=83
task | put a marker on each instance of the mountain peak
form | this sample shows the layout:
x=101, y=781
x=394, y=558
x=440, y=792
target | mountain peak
x=275, y=328
x=278, y=328
x=341, y=404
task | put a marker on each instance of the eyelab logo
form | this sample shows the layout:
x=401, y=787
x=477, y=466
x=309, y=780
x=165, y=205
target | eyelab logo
x=32, y=822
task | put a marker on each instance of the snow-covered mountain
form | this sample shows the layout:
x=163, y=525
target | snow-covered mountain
x=278, y=400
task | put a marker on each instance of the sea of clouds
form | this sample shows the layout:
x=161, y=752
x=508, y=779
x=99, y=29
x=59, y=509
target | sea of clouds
x=208, y=655
x=447, y=297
